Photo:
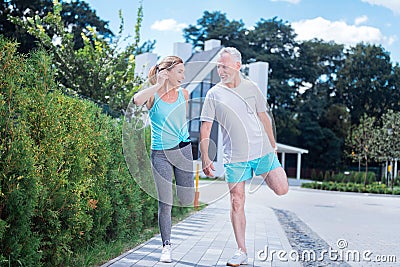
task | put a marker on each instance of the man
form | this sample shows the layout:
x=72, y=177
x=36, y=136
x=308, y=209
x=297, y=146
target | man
x=238, y=105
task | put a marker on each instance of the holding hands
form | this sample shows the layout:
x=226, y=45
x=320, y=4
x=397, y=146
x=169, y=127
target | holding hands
x=208, y=167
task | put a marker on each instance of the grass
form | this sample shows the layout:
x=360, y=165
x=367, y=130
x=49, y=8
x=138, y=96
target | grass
x=105, y=251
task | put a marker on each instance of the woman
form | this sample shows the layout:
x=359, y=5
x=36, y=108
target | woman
x=171, y=150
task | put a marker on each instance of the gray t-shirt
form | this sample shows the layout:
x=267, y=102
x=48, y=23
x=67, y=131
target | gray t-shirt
x=235, y=109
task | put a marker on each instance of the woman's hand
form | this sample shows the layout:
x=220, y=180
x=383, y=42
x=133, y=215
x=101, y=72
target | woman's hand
x=162, y=76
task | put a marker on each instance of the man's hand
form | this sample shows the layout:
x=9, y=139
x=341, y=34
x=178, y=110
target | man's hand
x=208, y=167
x=205, y=131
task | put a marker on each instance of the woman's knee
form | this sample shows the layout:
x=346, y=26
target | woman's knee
x=164, y=207
x=186, y=196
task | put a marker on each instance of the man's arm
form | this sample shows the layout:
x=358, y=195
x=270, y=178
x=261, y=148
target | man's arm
x=268, y=128
x=205, y=131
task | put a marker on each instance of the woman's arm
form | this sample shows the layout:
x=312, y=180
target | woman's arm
x=144, y=95
x=141, y=97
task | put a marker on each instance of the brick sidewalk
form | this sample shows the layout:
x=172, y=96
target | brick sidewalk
x=206, y=238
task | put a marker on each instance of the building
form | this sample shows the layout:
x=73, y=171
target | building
x=200, y=76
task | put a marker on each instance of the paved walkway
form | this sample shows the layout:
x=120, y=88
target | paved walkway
x=206, y=238
x=311, y=220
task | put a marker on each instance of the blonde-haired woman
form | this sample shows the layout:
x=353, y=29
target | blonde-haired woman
x=171, y=150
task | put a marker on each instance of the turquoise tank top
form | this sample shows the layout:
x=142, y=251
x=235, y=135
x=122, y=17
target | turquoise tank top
x=168, y=123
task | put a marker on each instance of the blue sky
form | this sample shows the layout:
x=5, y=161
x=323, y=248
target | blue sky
x=343, y=21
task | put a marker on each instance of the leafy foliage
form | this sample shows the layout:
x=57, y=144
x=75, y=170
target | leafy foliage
x=388, y=145
x=76, y=16
x=376, y=188
x=63, y=180
x=215, y=25
x=362, y=140
x=18, y=191
x=362, y=84
x=99, y=70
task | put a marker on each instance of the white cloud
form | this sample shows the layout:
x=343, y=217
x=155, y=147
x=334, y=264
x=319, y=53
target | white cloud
x=393, y=5
x=289, y=1
x=360, y=20
x=168, y=25
x=340, y=32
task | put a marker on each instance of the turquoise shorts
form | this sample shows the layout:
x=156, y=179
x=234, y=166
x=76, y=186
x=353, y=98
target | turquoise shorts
x=241, y=171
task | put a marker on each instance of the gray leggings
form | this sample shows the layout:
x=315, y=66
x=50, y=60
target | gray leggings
x=165, y=165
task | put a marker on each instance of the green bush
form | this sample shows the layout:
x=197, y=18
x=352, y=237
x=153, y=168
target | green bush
x=354, y=177
x=376, y=187
x=18, y=191
x=64, y=184
x=396, y=191
x=352, y=187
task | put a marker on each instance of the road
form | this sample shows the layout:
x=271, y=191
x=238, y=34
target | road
x=365, y=223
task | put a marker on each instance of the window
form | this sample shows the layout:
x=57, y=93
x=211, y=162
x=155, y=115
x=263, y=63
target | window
x=195, y=105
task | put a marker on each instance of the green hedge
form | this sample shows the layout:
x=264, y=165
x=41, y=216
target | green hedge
x=64, y=184
x=350, y=177
x=353, y=177
x=376, y=188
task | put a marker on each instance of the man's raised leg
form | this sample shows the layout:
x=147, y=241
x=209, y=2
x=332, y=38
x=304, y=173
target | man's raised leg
x=277, y=181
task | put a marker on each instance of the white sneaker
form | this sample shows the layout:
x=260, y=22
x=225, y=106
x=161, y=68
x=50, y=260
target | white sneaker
x=240, y=258
x=166, y=254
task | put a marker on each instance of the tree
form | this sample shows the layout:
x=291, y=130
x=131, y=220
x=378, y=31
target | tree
x=362, y=84
x=320, y=62
x=316, y=123
x=363, y=139
x=388, y=146
x=76, y=16
x=394, y=89
x=98, y=71
x=273, y=41
x=215, y=25
x=323, y=125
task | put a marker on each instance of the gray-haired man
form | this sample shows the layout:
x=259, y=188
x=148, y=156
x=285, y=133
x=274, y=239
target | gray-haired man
x=238, y=105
